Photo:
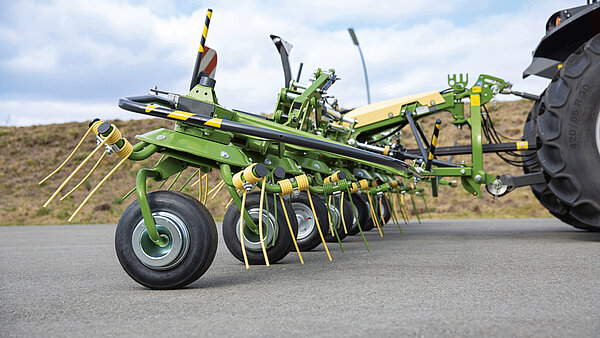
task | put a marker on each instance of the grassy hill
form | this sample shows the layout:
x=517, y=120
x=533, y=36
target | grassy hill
x=28, y=154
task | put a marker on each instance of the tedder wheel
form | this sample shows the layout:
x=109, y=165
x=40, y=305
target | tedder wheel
x=336, y=218
x=569, y=130
x=308, y=234
x=191, y=247
x=362, y=211
x=366, y=212
x=531, y=164
x=276, y=234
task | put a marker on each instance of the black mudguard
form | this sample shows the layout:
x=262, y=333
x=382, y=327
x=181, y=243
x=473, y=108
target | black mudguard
x=566, y=30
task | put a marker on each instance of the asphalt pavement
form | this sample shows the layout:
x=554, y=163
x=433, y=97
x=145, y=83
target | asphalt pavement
x=510, y=277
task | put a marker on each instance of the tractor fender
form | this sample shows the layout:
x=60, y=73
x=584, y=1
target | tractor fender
x=566, y=30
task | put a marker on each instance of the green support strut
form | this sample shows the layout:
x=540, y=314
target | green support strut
x=145, y=206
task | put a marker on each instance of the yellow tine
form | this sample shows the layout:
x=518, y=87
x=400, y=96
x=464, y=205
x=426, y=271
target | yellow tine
x=383, y=223
x=97, y=187
x=291, y=230
x=242, y=231
x=318, y=226
x=217, y=188
x=342, y=212
x=68, y=157
x=74, y=172
x=228, y=203
x=329, y=217
x=86, y=177
x=260, y=215
x=205, y=197
x=373, y=214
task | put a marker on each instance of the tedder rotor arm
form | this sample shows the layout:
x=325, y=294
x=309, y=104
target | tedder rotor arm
x=279, y=136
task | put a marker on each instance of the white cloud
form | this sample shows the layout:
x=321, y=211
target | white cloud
x=44, y=59
x=409, y=47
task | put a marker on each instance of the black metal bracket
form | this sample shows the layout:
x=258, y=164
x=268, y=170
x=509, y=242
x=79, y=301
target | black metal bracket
x=522, y=180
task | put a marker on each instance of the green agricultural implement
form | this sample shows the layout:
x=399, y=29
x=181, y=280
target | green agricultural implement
x=312, y=174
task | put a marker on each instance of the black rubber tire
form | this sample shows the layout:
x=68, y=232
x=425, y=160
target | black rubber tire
x=301, y=206
x=202, y=240
x=570, y=153
x=368, y=225
x=387, y=213
x=532, y=164
x=362, y=210
x=283, y=242
x=339, y=227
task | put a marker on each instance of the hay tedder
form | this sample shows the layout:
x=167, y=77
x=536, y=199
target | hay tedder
x=321, y=173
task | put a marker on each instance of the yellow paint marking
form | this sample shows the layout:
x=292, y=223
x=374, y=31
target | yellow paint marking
x=201, y=49
x=559, y=66
x=214, y=123
x=150, y=107
x=477, y=89
x=475, y=100
x=180, y=115
x=522, y=145
x=434, y=140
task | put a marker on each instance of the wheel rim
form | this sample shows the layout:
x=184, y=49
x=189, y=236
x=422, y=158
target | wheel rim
x=598, y=132
x=335, y=214
x=354, y=219
x=161, y=257
x=305, y=218
x=251, y=239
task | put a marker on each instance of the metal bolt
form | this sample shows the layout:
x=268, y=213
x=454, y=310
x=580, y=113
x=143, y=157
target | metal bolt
x=478, y=178
x=250, y=159
x=390, y=115
x=267, y=161
x=224, y=154
x=463, y=171
x=316, y=165
x=432, y=103
x=161, y=137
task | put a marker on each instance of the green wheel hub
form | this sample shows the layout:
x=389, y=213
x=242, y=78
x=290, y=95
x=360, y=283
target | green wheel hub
x=251, y=238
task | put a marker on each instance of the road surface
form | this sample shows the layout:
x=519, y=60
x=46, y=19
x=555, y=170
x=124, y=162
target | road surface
x=519, y=277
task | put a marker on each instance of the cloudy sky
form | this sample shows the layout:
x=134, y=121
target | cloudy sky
x=71, y=60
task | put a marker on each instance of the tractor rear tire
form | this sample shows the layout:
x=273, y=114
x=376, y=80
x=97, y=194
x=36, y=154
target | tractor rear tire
x=531, y=164
x=569, y=130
